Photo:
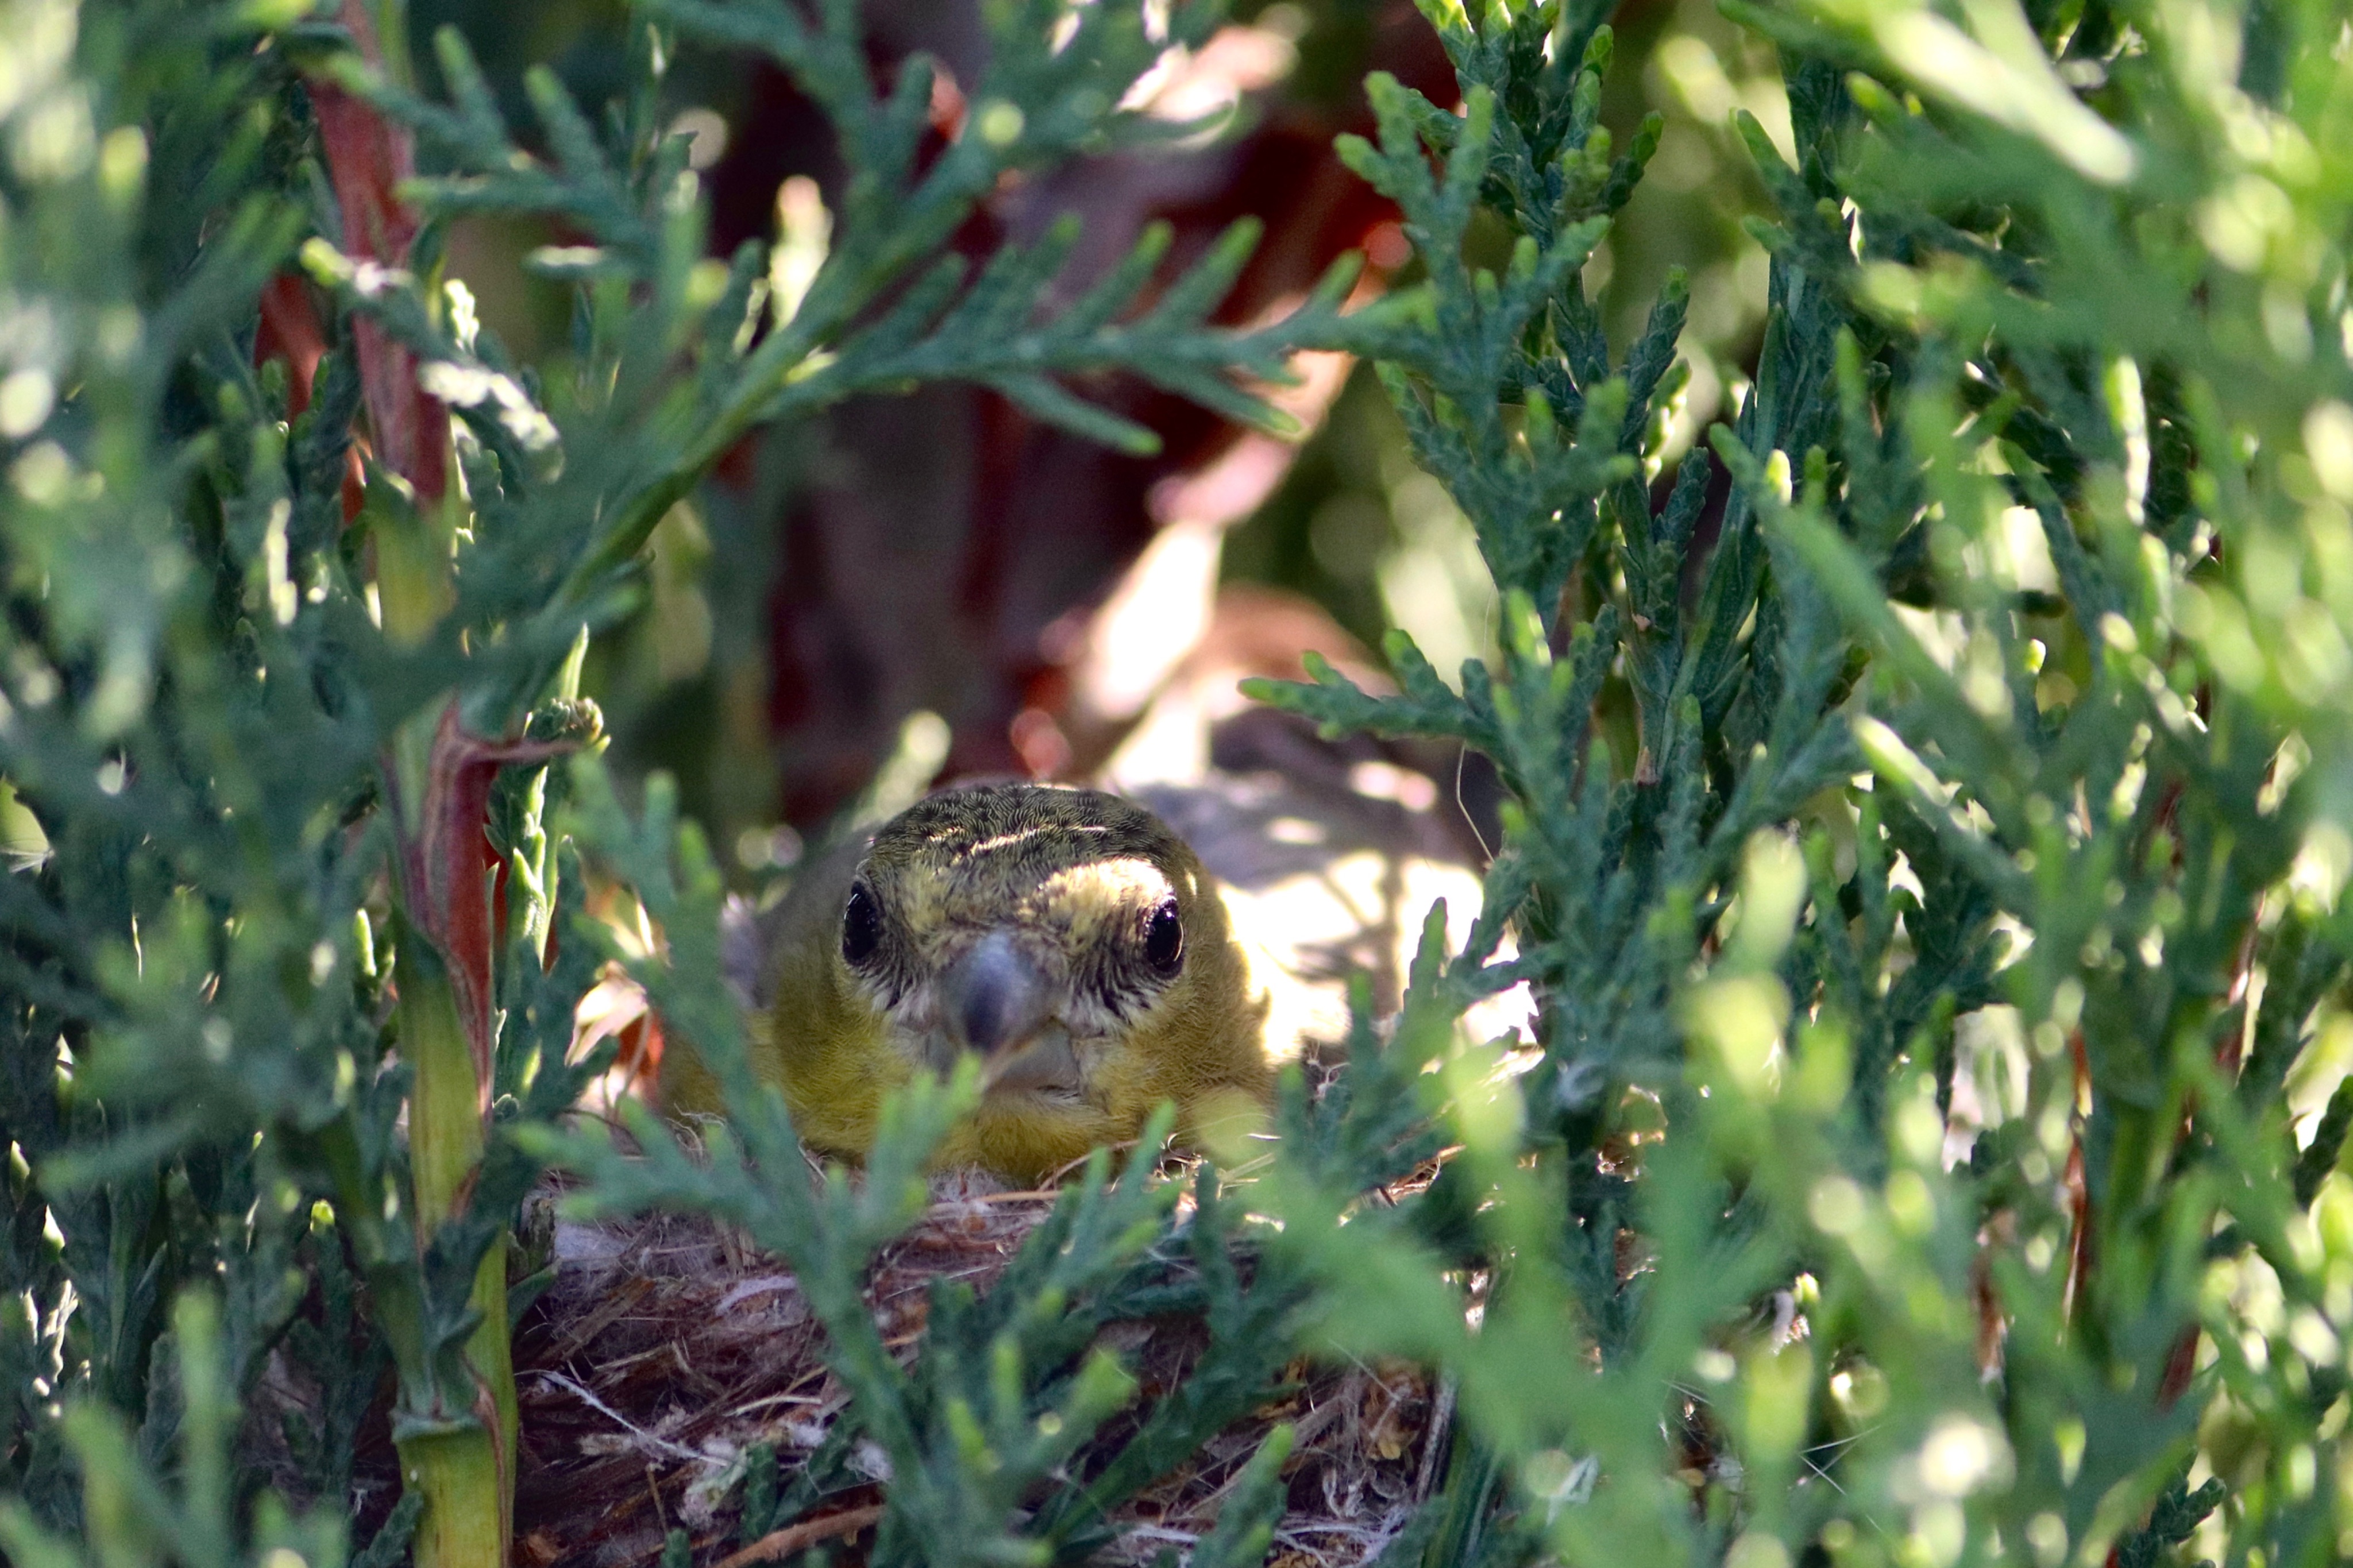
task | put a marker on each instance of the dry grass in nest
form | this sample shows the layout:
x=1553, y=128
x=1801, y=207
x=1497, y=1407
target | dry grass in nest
x=666, y=1348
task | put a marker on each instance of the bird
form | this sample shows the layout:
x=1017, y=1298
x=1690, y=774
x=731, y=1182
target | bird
x=1064, y=937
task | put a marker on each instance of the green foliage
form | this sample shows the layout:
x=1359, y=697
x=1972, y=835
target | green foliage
x=2171, y=1520
x=263, y=1029
x=869, y=300
x=1982, y=748
x=1970, y=772
x=130, y=1517
x=1245, y=1527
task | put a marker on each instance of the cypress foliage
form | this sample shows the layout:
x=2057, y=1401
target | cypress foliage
x=2000, y=696
x=266, y=691
x=1990, y=733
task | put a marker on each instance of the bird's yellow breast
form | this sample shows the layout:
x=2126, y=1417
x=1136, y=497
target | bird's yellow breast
x=1067, y=937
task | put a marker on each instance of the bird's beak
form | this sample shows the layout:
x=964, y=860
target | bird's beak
x=996, y=998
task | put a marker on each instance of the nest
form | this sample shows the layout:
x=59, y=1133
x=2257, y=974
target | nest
x=666, y=1350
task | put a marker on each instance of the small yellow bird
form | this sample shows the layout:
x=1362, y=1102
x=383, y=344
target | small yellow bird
x=1066, y=937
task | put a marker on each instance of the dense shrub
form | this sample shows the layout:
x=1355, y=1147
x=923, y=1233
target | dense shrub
x=1926, y=861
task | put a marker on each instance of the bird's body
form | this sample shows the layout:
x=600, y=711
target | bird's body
x=1066, y=937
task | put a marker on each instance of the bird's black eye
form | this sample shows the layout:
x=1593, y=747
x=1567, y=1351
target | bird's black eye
x=1164, y=939
x=861, y=926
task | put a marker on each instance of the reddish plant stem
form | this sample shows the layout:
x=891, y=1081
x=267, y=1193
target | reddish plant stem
x=444, y=891
x=464, y=1471
x=367, y=159
x=290, y=332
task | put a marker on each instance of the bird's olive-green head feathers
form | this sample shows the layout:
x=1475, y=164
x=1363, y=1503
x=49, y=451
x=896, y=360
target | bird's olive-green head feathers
x=1065, y=937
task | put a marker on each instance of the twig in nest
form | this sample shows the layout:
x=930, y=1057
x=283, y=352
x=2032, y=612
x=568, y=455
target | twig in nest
x=1433, y=1441
x=663, y=1444
x=778, y=1544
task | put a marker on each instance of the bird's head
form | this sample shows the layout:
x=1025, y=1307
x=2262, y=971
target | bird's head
x=1065, y=937
x=1034, y=928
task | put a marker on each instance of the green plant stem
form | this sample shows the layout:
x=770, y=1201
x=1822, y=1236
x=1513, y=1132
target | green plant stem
x=466, y=1502
x=464, y=1473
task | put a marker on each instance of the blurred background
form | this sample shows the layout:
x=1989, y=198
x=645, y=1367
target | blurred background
x=931, y=586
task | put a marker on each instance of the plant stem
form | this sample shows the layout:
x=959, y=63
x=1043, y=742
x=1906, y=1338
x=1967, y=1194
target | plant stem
x=465, y=1521
x=462, y=1470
